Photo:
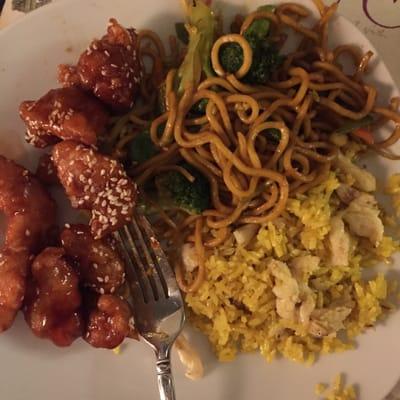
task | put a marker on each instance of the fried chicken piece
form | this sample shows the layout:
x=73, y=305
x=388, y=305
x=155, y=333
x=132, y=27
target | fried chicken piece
x=52, y=306
x=64, y=113
x=97, y=261
x=95, y=182
x=30, y=214
x=109, y=324
x=46, y=171
x=68, y=76
x=13, y=271
x=110, y=68
x=29, y=209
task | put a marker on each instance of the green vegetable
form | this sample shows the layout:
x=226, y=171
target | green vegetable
x=260, y=27
x=201, y=29
x=175, y=191
x=198, y=109
x=181, y=32
x=274, y=135
x=351, y=125
x=266, y=58
x=141, y=148
x=231, y=57
x=315, y=95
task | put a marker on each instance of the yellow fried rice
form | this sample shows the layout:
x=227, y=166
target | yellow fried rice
x=236, y=305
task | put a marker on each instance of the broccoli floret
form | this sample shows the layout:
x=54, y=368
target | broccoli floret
x=175, y=191
x=266, y=58
x=231, y=57
x=141, y=148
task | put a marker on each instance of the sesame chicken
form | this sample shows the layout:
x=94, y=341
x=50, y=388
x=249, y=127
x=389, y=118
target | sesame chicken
x=97, y=183
x=109, y=323
x=46, y=171
x=97, y=262
x=29, y=209
x=13, y=272
x=109, y=68
x=65, y=113
x=52, y=305
x=30, y=215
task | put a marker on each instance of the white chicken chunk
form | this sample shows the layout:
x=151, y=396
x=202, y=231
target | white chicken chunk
x=362, y=216
x=245, y=234
x=286, y=290
x=307, y=305
x=189, y=257
x=190, y=358
x=286, y=309
x=295, y=300
x=364, y=180
x=326, y=321
x=286, y=287
x=346, y=193
x=339, y=243
x=304, y=266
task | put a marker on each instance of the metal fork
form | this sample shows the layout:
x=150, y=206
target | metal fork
x=156, y=300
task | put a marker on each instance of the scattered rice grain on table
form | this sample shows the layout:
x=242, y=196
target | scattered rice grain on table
x=337, y=391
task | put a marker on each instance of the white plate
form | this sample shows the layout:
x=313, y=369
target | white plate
x=32, y=368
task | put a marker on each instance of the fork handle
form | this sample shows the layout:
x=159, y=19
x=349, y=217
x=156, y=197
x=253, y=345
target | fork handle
x=164, y=378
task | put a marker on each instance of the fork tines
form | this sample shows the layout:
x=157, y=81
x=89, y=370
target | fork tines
x=151, y=274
